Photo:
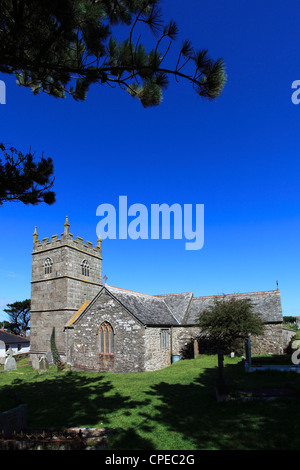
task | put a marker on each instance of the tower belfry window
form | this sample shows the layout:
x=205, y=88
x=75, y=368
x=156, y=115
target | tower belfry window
x=85, y=268
x=48, y=265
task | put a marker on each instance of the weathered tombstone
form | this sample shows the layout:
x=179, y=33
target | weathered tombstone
x=248, y=350
x=10, y=362
x=196, y=348
x=49, y=357
x=2, y=351
x=43, y=365
x=221, y=386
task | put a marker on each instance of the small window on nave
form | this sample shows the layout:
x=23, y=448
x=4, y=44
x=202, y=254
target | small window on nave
x=85, y=268
x=48, y=265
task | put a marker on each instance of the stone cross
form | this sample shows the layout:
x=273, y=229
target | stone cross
x=10, y=362
x=105, y=278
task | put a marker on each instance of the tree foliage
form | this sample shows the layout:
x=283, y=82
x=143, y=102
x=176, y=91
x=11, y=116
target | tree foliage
x=23, y=179
x=19, y=316
x=64, y=46
x=229, y=321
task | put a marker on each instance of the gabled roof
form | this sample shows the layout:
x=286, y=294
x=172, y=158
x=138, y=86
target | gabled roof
x=10, y=338
x=182, y=308
x=178, y=303
x=148, y=309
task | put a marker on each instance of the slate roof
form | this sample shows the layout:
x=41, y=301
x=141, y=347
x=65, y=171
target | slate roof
x=266, y=303
x=183, y=308
x=178, y=303
x=148, y=309
x=10, y=338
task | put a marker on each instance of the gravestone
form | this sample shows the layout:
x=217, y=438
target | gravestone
x=2, y=352
x=221, y=385
x=49, y=357
x=43, y=365
x=196, y=348
x=248, y=350
x=10, y=362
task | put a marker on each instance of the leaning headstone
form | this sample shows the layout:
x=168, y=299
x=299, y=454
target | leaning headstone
x=10, y=362
x=43, y=365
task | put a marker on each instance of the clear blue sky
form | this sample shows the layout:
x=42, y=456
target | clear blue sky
x=239, y=156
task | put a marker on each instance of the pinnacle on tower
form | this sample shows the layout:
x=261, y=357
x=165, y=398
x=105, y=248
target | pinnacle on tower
x=67, y=226
x=35, y=235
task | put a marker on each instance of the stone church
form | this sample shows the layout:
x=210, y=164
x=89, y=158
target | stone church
x=103, y=328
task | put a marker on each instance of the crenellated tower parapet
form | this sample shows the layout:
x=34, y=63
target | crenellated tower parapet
x=66, y=239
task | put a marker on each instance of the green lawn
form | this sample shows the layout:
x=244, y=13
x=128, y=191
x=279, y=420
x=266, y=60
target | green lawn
x=171, y=409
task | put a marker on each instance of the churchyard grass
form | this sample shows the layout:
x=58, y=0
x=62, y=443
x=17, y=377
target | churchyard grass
x=171, y=409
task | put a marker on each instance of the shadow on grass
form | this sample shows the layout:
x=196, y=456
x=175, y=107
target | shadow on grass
x=168, y=415
x=193, y=411
x=66, y=399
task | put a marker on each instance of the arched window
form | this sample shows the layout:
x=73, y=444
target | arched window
x=106, y=339
x=48, y=265
x=85, y=268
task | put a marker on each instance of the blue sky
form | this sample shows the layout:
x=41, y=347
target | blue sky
x=239, y=156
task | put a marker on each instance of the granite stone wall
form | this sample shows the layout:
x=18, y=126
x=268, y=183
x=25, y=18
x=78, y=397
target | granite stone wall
x=157, y=356
x=129, y=338
x=183, y=337
x=271, y=342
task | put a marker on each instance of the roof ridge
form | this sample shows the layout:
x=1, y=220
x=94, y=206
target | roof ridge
x=179, y=323
x=187, y=312
x=12, y=334
x=128, y=290
x=176, y=293
x=238, y=293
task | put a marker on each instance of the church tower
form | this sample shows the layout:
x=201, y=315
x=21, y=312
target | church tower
x=66, y=273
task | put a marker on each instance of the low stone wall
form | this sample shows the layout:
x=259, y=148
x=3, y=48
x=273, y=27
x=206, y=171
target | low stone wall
x=13, y=420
